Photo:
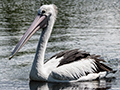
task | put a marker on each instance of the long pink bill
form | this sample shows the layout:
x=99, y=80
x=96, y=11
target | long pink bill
x=38, y=23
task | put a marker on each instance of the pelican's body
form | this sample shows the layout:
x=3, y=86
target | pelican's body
x=66, y=66
x=59, y=68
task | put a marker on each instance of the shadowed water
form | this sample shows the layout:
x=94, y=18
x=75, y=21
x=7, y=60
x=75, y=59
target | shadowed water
x=90, y=25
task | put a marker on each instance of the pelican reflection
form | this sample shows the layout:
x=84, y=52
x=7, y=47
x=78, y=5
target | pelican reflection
x=89, y=85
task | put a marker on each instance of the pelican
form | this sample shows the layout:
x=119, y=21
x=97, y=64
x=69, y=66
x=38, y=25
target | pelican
x=66, y=66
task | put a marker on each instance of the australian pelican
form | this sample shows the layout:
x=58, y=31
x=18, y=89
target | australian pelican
x=67, y=66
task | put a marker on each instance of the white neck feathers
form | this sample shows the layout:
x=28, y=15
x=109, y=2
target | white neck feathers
x=37, y=71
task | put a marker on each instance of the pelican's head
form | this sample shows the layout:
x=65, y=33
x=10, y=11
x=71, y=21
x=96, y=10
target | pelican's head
x=48, y=10
x=45, y=14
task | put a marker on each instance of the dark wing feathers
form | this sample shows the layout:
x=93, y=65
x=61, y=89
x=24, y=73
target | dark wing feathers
x=75, y=55
x=64, y=53
x=102, y=67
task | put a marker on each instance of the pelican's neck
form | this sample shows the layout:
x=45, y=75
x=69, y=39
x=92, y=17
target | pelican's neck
x=41, y=48
x=38, y=71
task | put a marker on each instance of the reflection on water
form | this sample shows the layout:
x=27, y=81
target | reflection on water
x=91, y=25
x=90, y=85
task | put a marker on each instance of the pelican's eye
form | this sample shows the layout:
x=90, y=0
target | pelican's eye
x=43, y=11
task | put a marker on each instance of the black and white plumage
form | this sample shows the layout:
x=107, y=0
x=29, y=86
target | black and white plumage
x=66, y=66
x=77, y=65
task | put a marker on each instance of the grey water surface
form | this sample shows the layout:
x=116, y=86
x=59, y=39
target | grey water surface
x=90, y=25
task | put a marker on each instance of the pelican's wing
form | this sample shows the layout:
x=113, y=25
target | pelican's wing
x=75, y=70
x=75, y=63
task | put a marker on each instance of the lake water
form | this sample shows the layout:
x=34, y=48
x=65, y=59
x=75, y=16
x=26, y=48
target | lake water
x=90, y=25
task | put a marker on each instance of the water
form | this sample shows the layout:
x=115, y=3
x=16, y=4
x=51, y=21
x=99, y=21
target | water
x=91, y=25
